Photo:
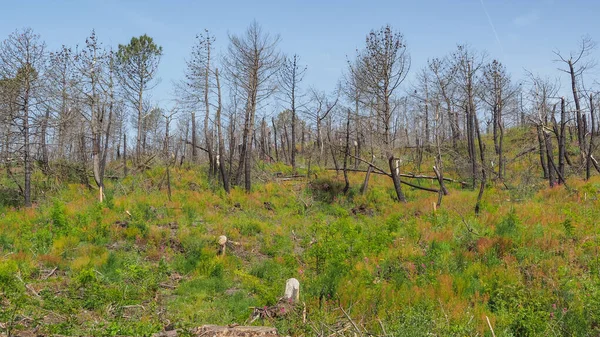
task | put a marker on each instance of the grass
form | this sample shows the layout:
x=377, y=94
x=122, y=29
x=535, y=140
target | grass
x=139, y=263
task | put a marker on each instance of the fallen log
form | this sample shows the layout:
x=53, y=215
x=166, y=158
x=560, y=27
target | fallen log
x=404, y=175
x=378, y=171
x=236, y=331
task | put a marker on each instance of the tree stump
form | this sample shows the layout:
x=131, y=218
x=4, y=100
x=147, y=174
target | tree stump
x=292, y=290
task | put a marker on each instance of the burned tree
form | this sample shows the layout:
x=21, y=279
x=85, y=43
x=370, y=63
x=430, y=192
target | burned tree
x=195, y=92
x=22, y=61
x=467, y=64
x=380, y=69
x=496, y=91
x=291, y=75
x=96, y=90
x=576, y=64
x=252, y=62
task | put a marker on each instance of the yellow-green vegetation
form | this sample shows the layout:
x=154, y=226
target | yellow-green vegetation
x=138, y=263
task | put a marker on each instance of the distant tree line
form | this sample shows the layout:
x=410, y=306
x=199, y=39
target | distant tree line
x=72, y=110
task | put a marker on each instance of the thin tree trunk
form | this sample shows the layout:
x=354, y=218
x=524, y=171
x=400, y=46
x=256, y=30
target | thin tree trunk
x=591, y=146
x=483, y=174
x=26, y=148
x=319, y=140
x=500, y=152
x=471, y=146
x=293, y=144
x=288, y=158
x=562, y=141
x=275, y=139
x=224, y=175
x=167, y=159
x=346, y=153
x=124, y=154
x=542, y=150
x=335, y=163
x=207, y=134
x=365, y=184
x=580, y=130
x=44, y=145
x=194, y=139
x=438, y=168
x=138, y=145
x=394, y=170
x=550, y=154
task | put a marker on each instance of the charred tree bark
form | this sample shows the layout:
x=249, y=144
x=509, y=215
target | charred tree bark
x=395, y=175
x=550, y=155
x=194, y=139
x=580, y=130
x=45, y=163
x=542, y=150
x=221, y=155
x=562, y=142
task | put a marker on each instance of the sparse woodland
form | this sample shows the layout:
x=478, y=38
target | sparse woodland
x=457, y=199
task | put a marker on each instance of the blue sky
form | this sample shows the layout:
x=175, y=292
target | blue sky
x=323, y=32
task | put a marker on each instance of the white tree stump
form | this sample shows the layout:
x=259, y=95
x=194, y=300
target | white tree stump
x=222, y=244
x=292, y=290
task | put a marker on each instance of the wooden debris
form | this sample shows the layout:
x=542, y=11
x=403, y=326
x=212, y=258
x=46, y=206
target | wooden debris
x=171, y=333
x=236, y=331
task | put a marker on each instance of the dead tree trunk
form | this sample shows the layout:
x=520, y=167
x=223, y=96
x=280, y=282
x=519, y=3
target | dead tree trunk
x=550, y=155
x=335, y=163
x=580, y=129
x=365, y=185
x=395, y=175
x=194, y=139
x=542, y=150
x=275, y=139
x=483, y=174
x=562, y=142
x=45, y=163
x=221, y=155
x=124, y=154
x=346, y=153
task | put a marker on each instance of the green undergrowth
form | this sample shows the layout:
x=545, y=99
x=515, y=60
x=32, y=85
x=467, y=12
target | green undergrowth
x=138, y=263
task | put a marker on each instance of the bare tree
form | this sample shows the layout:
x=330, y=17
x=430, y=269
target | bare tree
x=467, y=64
x=62, y=79
x=588, y=159
x=496, y=92
x=195, y=93
x=380, y=69
x=97, y=93
x=444, y=73
x=291, y=75
x=322, y=106
x=221, y=155
x=576, y=65
x=252, y=62
x=167, y=153
x=22, y=63
x=542, y=91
